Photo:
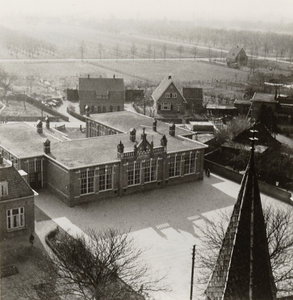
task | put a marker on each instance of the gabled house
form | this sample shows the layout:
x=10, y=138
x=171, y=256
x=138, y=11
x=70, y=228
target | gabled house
x=168, y=100
x=16, y=203
x=101, y=95
x=236, y=57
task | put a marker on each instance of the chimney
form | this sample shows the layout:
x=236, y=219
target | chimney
x=172, y=129
x=120, y=147
x=170, y=77
x=47, y=120
x=114, y=76
x=1, y=159
x=88, y=76
x=133, y=134
x=164, y=141
x=47, y=148
x=87, y=110
x=39, y=127
x=155, y=125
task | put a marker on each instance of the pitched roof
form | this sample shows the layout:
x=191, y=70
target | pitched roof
x=233, y=53
x=17, y=187
x=243, y=266
x=192, y=93
x=165, y=83
x=101, y=85
x=264, y=137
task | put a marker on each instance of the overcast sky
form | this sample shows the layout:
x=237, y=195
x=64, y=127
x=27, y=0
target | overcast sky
x=262, y=10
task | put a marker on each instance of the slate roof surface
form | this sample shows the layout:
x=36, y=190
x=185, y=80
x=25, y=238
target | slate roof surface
x=261, y=97
x=192, y=93
x=101, y=85
x=17, y=187
x=233, y=53
x=243, y=265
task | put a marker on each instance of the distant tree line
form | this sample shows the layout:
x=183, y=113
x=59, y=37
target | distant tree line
x=16, y=42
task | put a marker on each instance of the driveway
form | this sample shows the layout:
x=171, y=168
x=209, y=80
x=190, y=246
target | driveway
x=164, y=222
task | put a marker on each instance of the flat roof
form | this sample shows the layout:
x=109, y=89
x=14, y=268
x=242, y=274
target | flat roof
x=125, y=120
x=103, y=149
x=22, y=139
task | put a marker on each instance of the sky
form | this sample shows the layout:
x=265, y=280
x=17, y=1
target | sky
x=248, y=10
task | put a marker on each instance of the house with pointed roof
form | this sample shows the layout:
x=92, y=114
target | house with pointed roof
x=243, y=269
x=236, y=57
x=168, y=100
x=101, y=95
x=16, y=202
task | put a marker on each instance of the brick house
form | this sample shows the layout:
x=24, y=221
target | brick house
x=123, y=153
x=236, y=57
x=101, y=94
x=168, y=100
x=16, y=203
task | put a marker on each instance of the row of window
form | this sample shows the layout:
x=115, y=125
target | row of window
x=136, y=172
x=100, y=130
x=10, y=157
x=103, y=109
x=87, y=182
x=170, y=95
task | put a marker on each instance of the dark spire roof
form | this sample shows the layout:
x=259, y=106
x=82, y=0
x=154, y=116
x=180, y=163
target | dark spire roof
x=243, y=269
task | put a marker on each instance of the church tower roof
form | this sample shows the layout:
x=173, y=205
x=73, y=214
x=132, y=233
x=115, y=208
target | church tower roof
x=243, y=269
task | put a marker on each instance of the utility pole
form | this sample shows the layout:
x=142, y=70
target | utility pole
x=192, y=272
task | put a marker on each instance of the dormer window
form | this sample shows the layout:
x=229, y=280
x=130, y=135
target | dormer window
x=3, y=188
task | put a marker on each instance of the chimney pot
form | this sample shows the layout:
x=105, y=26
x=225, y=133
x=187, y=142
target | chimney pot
x=120, y=147
x=132, y=134
x=39, y=127
x=47, y=147
x=172, y=129
x=47, y=119
x=170, y=76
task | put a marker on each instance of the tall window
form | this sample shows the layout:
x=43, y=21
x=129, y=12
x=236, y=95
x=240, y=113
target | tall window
x=15, y=218
x=189, y=166
x=133, y=173
x=105, y=178
x=150, y=170
x=86, y=182
x=3, y=188
x=174, y=95
x=175, y=166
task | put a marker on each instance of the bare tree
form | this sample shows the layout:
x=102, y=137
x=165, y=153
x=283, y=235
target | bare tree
x=164, y=51
x=102, y=265
x=82, y=50
x=100, y=49
x=6, y=82
x=279, y=222
x=180, y=50
x=117, y=49
x=194, y=51
x=133, y=50
x=149, y=50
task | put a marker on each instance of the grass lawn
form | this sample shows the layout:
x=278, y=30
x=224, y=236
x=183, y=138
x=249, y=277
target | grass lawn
x=18, y=108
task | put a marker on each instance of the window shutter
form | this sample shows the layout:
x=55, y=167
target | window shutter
x=171, y=106
x=159, y=106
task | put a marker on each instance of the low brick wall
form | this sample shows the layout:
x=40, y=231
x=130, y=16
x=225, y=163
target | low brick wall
x=265, y=188
x=26, y=119
x=76, y=115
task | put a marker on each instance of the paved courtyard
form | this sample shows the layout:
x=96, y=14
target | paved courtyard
x=165, y=222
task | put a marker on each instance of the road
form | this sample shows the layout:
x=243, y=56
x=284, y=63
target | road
x=165, y=222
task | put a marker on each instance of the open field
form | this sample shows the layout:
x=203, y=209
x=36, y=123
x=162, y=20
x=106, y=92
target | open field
x=65, y=74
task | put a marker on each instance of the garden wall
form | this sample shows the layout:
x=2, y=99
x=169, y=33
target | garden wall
x=232, y=175
x=76, y=115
